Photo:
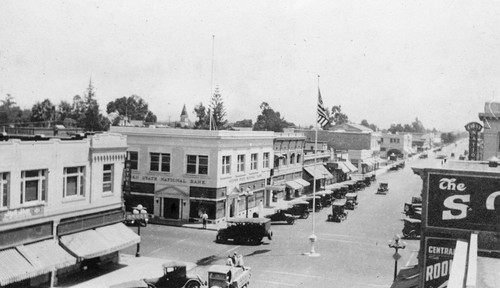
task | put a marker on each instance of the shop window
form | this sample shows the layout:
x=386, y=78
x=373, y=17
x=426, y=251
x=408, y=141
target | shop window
x=4, y=189
x=226, y=164
x=107, y=178
x=265, y=160
x=159, y=162
x=133, y=157
x=253, y=161
x=197, y=164
x=241, y=163
x=74, y=181
x=33, y=186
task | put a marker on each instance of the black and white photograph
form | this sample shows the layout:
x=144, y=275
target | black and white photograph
x=249, y=144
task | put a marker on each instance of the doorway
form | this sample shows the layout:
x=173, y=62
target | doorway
x=171, y=208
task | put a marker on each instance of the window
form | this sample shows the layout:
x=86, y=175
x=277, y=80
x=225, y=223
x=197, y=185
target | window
x=292, y=158
x=298, y=158
x=253, y=161
x=4, y=189
x=33, y=185
x=226, y=164
x=107, y=178
x=285, y=160
x=74, y=181
x=381, y=140
x=241, y=163
x=197, y=164
x=133, y=156
x=265, y=160
x=159, y=162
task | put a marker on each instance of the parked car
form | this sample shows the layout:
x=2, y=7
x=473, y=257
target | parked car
x=245, y=231
x=174, y=276
x=352, y=201
x=223, y=276
x=282, y=215
x=299, y=208
x=383, y=188
x=412, y=228
x=423, y=156
x=338, y=211
x=317, y=203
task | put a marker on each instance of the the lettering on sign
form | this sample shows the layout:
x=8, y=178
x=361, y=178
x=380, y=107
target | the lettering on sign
x=438, y=270
x=438, y=258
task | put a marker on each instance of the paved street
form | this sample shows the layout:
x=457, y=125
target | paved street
x=354, y=253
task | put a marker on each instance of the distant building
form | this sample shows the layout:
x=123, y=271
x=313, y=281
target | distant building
x=397, y=144
x=184, y=120
x=491, y=130
x=60, y=206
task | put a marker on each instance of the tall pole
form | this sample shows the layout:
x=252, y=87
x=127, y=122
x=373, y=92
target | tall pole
x=211, y=82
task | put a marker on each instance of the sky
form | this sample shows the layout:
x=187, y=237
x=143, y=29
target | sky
x=384, y=61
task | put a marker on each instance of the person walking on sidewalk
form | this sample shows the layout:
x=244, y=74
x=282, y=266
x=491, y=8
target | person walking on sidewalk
x=204, y=218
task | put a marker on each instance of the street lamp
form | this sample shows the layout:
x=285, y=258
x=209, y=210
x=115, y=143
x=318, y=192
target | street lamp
x=140, y=214
x=247, y=194
x=397, y=244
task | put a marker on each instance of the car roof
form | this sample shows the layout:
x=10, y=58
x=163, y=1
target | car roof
x=174, y=264
x=411, y=220
x=248, y=220
x=339, y=202
x=351, y=194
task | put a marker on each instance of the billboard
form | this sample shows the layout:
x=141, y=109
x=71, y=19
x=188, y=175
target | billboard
x=437, y=261
x=465, y=202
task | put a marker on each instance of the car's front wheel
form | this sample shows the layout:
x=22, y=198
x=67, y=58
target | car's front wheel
x=193, y=284
x=290, y=221
x=305, y=215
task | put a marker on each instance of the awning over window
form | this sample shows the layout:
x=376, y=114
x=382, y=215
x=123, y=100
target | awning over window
x=46, y=256
x=101, y=241
x=119, y=235
x=294, y=185
x=302, y=182
x=320, y=170
x=342, y=166
x=14, y=267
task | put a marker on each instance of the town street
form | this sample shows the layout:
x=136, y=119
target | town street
x=354, y=253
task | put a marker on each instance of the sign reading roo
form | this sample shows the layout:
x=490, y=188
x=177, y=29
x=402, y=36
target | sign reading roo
x=463, y=202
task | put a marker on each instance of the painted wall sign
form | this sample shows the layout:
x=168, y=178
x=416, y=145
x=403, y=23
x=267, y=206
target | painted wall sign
x=463, y=202
x=438, y=258
x=473, y=128
x=20, y=213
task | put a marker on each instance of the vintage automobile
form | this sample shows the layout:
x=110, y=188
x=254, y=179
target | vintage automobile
x=359, y=185
x=383, y=188
x=340, y=192
x=174, y=276
x=423, y=156
x=338, y=211
x=413, y=209
x=317, y=203
x=412, y=228
x=245, y=231
x=351, y=201
x=299, y=208
x=326, y=197
x=224, y=276
x=282, y=215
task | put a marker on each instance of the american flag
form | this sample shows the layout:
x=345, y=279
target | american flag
x=322, y=116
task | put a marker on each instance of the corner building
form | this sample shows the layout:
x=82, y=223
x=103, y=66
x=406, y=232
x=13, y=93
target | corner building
x=178, y=174
x=60, y=207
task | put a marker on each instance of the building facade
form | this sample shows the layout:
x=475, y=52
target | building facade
x=178, y=173
x=491, y=133
x=397, y=144
x=59, y=193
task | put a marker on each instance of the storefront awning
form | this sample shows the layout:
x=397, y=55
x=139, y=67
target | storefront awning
x=101, y=241
x=318, y=172
x=294, y=185
x=407, y=278
x=14, y=267
x=302, y=182
x=276, y=187
x=368, y=161
x=46, y=256
x=343, y=167
x=350, y=166
x=119, y=235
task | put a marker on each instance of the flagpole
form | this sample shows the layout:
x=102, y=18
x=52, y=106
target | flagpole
x=212, y=81
x=312, y=237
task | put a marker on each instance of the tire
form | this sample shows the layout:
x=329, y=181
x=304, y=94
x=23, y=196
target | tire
x=151, y=285
x=193, y=284
x=304, y=215
x=290, y=221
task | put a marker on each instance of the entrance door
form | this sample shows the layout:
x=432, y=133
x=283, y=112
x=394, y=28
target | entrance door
x=171, y=208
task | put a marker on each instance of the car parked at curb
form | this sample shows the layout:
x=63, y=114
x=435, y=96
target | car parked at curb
x=282, y=215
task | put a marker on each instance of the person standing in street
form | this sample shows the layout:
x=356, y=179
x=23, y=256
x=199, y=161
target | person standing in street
x=204, y=218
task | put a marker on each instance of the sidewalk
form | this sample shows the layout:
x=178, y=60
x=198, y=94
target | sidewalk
x=130, y=268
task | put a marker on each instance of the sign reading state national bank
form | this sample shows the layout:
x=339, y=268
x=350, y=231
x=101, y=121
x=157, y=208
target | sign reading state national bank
x=463, y=202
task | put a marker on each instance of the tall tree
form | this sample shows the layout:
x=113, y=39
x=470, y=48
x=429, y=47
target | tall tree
x=43, y=112
x=270, y=120
x=6, y=109
x=218, y=110
x=133, y=107
x=91, y=119
x=337, y=117
x=202, y=117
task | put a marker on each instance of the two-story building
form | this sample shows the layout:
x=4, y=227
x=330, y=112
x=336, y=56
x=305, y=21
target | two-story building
x=491, y=133
x=396, y=144
x=180, y=173
x=286, y=177
x=60, y=206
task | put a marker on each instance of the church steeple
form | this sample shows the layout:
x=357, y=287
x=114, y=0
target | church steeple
x=184, y=112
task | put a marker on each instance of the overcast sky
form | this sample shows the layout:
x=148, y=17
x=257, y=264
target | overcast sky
x=383, y=61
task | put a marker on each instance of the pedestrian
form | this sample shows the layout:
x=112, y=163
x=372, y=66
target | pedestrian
x=229, y=261
x=204, y=218
x=238, y=260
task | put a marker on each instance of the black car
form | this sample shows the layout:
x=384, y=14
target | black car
x=245, y=231
x=299, y=208
x=281, y=215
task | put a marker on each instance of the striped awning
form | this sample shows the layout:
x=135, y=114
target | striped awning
x=101, y=241
x=342, y=166
x=46, y=255
x=302, y=182
x=294, y=185
x=350, y=166
x=14, y=267
x=318, y=172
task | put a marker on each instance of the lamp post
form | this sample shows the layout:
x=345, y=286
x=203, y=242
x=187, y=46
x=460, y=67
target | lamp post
x=140, y=214
x=247, y=194
x=397, y=244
